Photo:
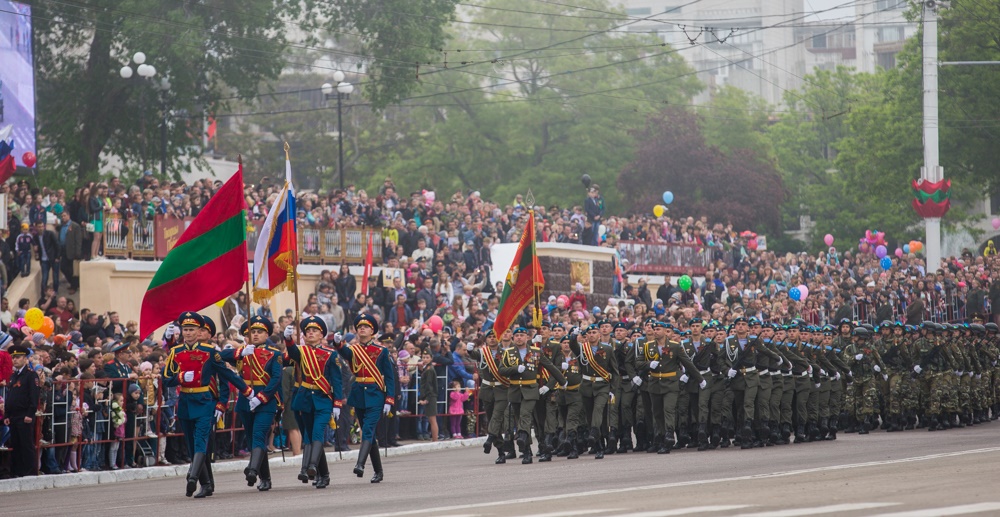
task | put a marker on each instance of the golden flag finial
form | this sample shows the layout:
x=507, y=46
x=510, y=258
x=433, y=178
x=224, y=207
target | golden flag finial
x=287, y=148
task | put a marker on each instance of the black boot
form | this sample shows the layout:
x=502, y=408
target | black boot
x=800, y=433
x=546, y=448
x=265, y=476
x=702, y=437
x=910, y=420
x=376, y=462
x=314, y=453
x=716, y=436
x=508, y=447
x=831, y=431
x=207, y=481
x=363, y=452
x=501, y=456
x=593, y=437
x=625, y=443
x=641, y=441
x=612, y=442
x=682, y=438
x=930, y=422
x=775, y=432
x=763, y=433
x=786, y=433
x=823, y=429
x=895, y=422
x=256, y=454
x=746, y=436
x=924, y=419
x=726, y=434
x=668, y=439
x=865, y=425
x=194, y=473
x=488, y=444
x=303, y=476
x=322, y=473
x=526, y=457
x=664, y=446
x=522, y=440
x=654, y=444
x=573, y=453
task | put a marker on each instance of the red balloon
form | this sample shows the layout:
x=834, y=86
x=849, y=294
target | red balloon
x=29, y=159
x=752, y=244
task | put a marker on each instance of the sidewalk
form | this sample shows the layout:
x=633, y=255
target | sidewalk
x=114, y=476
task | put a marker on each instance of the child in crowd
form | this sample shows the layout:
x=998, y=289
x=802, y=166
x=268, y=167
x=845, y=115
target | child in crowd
x=118, y=419
x=23, y=246
x=456, y=408
x=76, y=410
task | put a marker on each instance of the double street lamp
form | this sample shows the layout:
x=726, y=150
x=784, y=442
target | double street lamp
x=344, y=90
x=148, y=72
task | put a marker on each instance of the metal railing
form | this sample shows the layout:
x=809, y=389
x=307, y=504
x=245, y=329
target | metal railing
x=665, y=258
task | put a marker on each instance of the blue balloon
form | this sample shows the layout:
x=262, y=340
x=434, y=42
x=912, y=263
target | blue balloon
x=668, y=197
x=906, y=248
x=886, y=263
x=795, y=294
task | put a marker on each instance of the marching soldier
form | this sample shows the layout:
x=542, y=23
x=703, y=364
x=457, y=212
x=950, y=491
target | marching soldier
x=740, y=354
x=663, y=360
x=196, y=367
x=625, y=355
x=569, y=399
x=600, y=376
x=371, y=394
x=259, y=365
x=700, y=350
x=865, y=365
x=521, y=364
x=493, y=391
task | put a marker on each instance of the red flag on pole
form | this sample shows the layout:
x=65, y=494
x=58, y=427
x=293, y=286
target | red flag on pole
x=368, y=266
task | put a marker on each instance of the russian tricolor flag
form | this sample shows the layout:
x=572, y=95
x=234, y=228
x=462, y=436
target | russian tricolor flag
x=7, y=165
x=276, y=254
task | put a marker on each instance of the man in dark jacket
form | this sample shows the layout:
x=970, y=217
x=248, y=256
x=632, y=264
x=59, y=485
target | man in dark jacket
x=71, y=246
x=47, y=250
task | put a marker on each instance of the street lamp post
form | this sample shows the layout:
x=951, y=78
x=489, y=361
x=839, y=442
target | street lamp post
x=148, y=72
x=344, y=90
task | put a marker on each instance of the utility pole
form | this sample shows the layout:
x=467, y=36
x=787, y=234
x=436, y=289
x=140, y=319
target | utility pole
x=931, y=171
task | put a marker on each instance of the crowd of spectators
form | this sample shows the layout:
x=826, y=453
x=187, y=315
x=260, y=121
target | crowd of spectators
x=442, y=248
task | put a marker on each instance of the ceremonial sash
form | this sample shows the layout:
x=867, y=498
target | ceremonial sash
x=312, y=370
x=257, y=372
x=601, y=372
x=361, y=356
x=491, y=365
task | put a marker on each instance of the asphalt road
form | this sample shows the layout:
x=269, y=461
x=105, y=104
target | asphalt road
x=913, y=474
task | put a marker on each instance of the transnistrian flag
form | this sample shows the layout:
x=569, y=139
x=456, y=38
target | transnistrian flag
x=524, y=282
x=277, y=247
x=208, y=263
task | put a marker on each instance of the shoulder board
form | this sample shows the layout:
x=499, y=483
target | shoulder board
x=534, y=348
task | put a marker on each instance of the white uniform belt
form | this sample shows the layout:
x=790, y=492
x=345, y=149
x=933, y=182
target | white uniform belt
x=490, y=383
x=595, y=379
x=706, y=372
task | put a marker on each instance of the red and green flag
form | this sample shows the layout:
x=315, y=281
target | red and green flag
x=208, y=263
x=524, y=282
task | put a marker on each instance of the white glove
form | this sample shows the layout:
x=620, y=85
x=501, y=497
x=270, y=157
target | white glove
x=732, y=373
x=958, y=373
x=543, y=390
x=816, y=385
x=885, y=377
x=565, y=365
x=386, y=408
x=520, y=368
x=877, y=368
x=822, y=372
x=170, y=332
x=836, y=376
x=917, y=368
x=979, y=376
x=637, y=381
x=859, y=357
x=338, y=337
x=810, y=370
x=247, y=350
x=537, y=338
x=188, y=376
x=684, y=378
x=289, y=332
x=470, y=347
x=781, y=360
x=218, y=415
x=703, y=384
x=254, y=402
x=653, y=365
x=968, y=374
x=336, y=413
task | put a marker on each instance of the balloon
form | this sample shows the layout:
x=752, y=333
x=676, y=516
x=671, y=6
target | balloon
x=48, y=327
x=996, y=223
x=668, y=197
x=795, y=294
x=29, y=159
x=886, y=263
x=916, y=246
x=920, y=246
x=961, y=284
x=684, y=283
x=752, y=244
x=899, y=253
x=601, y=230
x=34, y=318
x=828, y=239
x=658, y=210
x=804, y=291
x=906, y=249
x=435, y=323
x=880, y=251
x=863, y=247
x=585, y=179
x=868, y=234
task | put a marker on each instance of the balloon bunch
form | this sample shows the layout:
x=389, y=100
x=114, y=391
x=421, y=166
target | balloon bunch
x=798, y=293
x=751, y=239
x=35, y=321
x=871, y=242
x=428, y=197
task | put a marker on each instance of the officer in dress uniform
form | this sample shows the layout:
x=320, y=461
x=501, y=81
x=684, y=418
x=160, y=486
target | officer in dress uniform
x=319, y=396
x=570, y=401
x=371, y=394
x=663, y=360
x=492, y=389
x=120, y=368
x=196, y=367
x=21, y=405
x=600, y=378
x=522, y=364
x=259, y=364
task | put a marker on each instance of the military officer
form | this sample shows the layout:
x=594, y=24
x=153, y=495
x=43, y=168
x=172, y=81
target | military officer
x=120, y=369
x=372, y=391
x=700, y=349
x=21, y=405
x=521, y=365
x=197, y=368
x=663, y=360
x=493, y=392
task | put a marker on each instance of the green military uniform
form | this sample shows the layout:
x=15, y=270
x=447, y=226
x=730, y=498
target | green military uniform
x=600, y=378
x=664, y=362
x=500, y=421
x=492, y=388
x=701, y=352
x=866, y=369
x=899, y=359
x=521, y=365
x=571, y=402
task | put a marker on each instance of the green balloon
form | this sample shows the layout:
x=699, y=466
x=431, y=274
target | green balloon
x=684, y=283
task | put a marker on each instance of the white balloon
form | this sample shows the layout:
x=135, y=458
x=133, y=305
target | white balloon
x=139, y=58
x=126, y=72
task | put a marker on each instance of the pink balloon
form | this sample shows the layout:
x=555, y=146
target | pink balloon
x=804, y=291
x=435, y=323
x=899, y=253
x=996, y=223
x=961, y=284
x=828, y=239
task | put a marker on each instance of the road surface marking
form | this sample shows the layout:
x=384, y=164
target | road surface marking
x=574, y=512
x=679, y=484
x=818, y=510
x=948, y=510
x=686, y=511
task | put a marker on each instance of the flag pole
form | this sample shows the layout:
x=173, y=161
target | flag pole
x=293, y=273
x=239, y=159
